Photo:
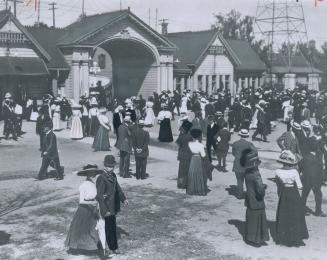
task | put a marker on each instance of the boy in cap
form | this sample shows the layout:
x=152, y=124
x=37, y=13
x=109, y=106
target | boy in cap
x=109, y=196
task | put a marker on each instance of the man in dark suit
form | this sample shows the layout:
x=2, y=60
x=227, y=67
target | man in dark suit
x=42, y=121
x=124, y=144
x=212, y=130
x=141, y=139
x=223, y=138
x=237, y=148
x=312, y=176
x=50, y=154
x=118, y=118
x=109, y=196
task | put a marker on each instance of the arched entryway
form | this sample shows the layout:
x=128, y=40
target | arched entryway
x=134, y=67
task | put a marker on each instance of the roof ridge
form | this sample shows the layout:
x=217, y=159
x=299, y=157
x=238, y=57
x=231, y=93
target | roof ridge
x=200, y=31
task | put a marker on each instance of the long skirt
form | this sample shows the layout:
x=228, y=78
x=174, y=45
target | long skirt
x=101, y=140
x=149, y=118
x=82, y=233
x=94, y=125
x=56, y=122
x=256, y=228
x=196, y=183
x=291, y=227
x=184, y=166
x=76, y=132
x=165, y=133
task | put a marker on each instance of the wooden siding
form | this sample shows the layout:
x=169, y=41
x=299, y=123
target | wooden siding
x=18, y=52
x=150, y=82
x=69, y=81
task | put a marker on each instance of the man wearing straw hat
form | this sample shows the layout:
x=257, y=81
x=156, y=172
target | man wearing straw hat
x=109, y=196
x=237, y=148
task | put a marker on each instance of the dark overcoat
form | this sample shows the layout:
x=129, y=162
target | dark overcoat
x=141, y=139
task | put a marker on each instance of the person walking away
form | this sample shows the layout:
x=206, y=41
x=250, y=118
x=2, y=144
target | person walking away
x=222, y=147
x=124, y=145
x=50, y=154
x=184, y=154
x=305, y=113
x=9, y=119
x=93, y=116
x=141, y=139
x=291, y=227
x=149, y=115
x=237, y=148
x=109, y=196
x=199, y=172
x=256, y=227
x=261, y=125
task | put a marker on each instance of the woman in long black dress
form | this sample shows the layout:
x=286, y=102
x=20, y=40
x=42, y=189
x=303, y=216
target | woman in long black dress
x=165, y=133
x=291, y=227
x=256, y=227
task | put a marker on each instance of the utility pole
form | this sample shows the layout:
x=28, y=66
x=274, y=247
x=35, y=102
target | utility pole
x=53, y=8
x=149, y=17
x=38, y=2
x=15, y=5
x=83, y=8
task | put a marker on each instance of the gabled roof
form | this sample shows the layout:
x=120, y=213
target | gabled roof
x=77, y=33
x=249, y=59
x=48, y=38
x=299, y=65
x=5, y=15
x=190, y=46
x=193, y=45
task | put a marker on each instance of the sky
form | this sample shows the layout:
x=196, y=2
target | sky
x=182, y=15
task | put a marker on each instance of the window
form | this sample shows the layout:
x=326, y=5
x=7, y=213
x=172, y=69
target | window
x=217, y=50
x=102, y=61
x=200, y=82
x=214, y=83
x=227, y=82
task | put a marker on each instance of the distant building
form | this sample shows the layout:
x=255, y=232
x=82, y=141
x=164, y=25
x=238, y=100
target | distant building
x=208, y=62
x=300, y=72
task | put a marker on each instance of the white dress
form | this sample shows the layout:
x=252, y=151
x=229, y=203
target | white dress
x=150, y=117
x=76, y=131
x=184, y=105
x=56, y=119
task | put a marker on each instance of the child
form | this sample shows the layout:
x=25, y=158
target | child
x=223, y=138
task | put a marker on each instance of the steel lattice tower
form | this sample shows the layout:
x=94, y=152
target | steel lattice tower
x=282, y=22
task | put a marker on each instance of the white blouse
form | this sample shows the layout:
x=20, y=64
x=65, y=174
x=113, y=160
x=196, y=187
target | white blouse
x=87, y=191
x=164, y=114
x=197, y=148
x=289, y=177
x=77, y=113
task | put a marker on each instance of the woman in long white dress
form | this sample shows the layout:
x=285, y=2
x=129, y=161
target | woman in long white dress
x=76, y=131
x=149, y=117
x=184, y=105
x=56, y=119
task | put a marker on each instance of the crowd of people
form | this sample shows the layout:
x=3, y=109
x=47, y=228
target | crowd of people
x=213, y=118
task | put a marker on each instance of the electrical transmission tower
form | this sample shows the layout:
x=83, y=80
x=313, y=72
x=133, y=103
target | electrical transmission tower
x=282, y=24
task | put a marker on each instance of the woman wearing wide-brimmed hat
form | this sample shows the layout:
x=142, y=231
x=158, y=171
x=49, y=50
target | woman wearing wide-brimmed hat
x=82, y=234
x=256, y=227
x=291, y=227
x=101, y=140
x=76, y=132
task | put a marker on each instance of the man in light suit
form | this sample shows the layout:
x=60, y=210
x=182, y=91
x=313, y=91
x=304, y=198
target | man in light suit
x=141, y=140
x=50, y=154
x=237, y=148
x=124, y=144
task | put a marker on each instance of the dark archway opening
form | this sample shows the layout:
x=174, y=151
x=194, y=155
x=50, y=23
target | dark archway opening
x=131, y=63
